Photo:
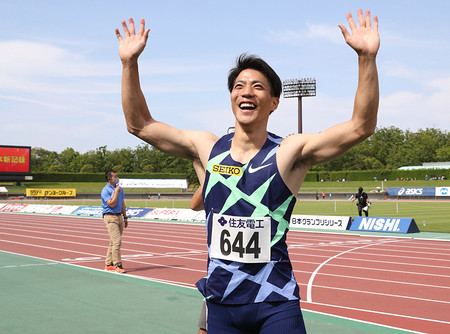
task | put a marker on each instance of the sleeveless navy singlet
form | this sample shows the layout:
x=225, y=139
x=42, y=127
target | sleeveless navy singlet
x=254, y=189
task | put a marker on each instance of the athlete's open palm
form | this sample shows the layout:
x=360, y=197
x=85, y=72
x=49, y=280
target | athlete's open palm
x=365, y=40
x=133, y=44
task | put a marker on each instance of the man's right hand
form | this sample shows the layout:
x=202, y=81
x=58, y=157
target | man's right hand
x=132, y=46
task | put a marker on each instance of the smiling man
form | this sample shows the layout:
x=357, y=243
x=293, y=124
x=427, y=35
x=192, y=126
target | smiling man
x=252, y=177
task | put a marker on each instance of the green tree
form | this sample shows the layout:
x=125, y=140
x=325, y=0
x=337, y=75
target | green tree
x=70, y=161
x=425, y=143
x=122, y=159
x=99, y=159
x=88, y=168
x=384, y=142
x=443, y=153
x=41, y=159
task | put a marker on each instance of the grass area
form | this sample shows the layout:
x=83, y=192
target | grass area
x=81, y=187
x=349, y=186
x=352, y=186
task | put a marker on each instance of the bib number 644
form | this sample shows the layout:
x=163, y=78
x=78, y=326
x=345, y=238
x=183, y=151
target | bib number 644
x=241, y=242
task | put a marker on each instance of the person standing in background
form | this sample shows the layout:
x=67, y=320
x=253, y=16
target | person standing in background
x=363, y=201
x=115, y=219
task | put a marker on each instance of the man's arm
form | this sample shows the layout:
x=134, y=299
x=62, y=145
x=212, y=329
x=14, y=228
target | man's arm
x=186, y=144
x=197, y=200
x=124, y=213
x=299, y=152
x=115, y=196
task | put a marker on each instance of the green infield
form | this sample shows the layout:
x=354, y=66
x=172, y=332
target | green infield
x=330, y=186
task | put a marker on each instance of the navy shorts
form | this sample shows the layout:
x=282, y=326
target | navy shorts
x=262, y=318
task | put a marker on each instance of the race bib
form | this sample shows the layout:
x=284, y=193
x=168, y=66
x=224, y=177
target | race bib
x=241, y=239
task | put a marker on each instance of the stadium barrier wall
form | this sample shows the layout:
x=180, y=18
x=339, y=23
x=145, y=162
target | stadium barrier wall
x=374, y=224
x=97, y=211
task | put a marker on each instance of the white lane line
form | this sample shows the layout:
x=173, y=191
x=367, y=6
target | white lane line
x=380, y=312
x=311, y=279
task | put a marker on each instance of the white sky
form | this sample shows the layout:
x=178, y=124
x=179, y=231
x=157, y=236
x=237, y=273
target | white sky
x=60, y=71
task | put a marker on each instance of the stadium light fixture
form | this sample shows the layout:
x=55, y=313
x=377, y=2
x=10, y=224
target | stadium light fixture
x=299, y=88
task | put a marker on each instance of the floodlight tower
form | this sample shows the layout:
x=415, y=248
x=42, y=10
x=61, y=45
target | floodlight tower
x=299, y=88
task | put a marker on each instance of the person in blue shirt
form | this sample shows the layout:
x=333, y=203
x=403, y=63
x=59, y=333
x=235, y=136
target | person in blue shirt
x=115, y=218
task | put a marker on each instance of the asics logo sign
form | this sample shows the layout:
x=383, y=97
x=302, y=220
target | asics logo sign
x=410, y=191
x=252, y=170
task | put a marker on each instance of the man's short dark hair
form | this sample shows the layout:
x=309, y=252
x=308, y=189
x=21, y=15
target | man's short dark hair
x=109, y=173
x=253, y=62
x=360, y=189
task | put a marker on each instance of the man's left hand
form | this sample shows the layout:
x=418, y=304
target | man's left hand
x=365, y=40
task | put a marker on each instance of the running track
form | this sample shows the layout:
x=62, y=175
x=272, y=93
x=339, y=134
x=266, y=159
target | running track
x=398, y=282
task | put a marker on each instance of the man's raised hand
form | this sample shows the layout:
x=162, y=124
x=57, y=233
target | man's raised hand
x=133, y=44
x=365, y=40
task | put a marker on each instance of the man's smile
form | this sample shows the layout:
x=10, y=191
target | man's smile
x=247, y=106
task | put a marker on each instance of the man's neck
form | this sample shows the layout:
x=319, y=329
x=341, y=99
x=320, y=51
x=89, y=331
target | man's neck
x=246, y=144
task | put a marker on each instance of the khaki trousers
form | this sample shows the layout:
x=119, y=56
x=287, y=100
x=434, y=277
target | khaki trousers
x=114, y=224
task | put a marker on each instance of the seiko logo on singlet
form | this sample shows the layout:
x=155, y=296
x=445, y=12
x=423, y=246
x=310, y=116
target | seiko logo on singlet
x=228, y=170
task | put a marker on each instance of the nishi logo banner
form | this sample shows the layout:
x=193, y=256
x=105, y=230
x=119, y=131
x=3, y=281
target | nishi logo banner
x=384, y=224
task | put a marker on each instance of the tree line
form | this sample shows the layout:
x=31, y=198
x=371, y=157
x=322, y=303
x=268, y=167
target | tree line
x=391, y=148
x=142, y=159
x=387, y=148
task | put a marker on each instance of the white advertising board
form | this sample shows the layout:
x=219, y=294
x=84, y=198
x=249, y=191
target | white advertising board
x=442, y=191
x=320, y=222
x=153, y=183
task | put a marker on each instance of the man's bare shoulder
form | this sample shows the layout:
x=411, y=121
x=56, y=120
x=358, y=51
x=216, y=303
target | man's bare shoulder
x=291, y=160
x=292, y=148
x=202, y=138
x=203, y=142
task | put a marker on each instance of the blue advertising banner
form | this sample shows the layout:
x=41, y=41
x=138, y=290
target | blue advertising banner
x=137, y=212
x=89, y=211
x=383, y=224
x=98, y=211
x=411, y=191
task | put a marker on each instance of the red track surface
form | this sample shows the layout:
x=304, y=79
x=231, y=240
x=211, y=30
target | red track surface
x=398, y=282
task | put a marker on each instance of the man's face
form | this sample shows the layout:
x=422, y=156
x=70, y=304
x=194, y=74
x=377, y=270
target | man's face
x=114, y=180
x=251, y=99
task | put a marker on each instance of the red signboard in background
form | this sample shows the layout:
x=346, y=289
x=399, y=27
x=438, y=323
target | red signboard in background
x=15, y=159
